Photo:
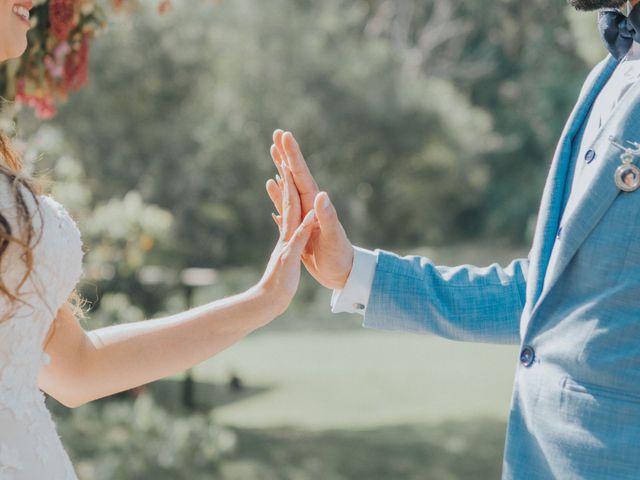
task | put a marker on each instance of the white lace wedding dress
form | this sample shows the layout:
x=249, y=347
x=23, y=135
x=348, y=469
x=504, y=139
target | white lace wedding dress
x=30, y=448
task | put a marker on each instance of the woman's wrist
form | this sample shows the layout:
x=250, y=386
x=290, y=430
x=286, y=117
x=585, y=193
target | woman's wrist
x=266, y=301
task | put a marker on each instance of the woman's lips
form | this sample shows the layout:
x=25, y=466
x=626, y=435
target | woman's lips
x=21, y=10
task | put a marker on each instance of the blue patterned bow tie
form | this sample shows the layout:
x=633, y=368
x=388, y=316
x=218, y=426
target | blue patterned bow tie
x=618, y=30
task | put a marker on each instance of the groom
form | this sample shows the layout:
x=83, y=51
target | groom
x=573, y=305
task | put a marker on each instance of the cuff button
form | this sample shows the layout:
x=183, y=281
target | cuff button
x=358, y=306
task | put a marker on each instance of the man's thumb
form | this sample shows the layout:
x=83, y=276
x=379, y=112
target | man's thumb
x=326, y=213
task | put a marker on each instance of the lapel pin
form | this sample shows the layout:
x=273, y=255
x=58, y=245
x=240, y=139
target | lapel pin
x=627, y=175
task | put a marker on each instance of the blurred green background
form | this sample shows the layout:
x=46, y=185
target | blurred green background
x=430, y=122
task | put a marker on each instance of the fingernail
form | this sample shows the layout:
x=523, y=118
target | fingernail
x=278, y=178
x=326, y=203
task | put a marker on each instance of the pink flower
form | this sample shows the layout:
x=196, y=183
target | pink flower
x=61, y=50
x=55, y=64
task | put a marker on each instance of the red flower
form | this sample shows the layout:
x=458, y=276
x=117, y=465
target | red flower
x=164, y=6
x=61, y=13
x=76, y=67
x=57, y=62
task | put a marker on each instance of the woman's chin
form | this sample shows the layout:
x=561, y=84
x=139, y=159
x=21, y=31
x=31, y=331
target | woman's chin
x=16, y=50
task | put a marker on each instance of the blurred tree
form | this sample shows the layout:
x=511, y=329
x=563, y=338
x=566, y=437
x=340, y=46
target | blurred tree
x=120, y=234
x=521, y=61
x=427, y=121
x=185, y=116
x=141, y=439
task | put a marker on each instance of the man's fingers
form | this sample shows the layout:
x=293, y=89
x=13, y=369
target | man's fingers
x=287, y=148
x=301, y=174
x=327, y=216
x=275, y=194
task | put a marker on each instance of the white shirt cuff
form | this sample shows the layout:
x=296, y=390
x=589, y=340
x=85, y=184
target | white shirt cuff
x=353, y=298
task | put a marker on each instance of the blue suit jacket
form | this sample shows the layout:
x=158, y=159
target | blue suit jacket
x=575, y=409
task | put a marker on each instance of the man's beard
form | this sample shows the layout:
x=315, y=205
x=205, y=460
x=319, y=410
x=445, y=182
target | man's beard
x=589, y=5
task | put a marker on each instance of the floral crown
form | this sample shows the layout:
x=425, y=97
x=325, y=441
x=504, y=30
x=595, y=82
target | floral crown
x=56, y=60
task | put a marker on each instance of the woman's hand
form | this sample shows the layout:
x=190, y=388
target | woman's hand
x=282, y=275
x=329, y=253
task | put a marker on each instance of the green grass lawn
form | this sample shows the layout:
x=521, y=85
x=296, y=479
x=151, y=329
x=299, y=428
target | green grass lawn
x=471, y=449
x=350, y=405
x=325, y=399
x=361, y=379
x=360, y=404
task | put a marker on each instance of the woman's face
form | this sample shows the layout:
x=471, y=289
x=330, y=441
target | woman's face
x=13, y=27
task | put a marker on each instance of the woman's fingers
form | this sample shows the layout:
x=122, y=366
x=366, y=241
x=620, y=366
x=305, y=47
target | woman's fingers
x=292, y=211
x=277, y=142
x=275, y=194
x=277, y=149
x=297, y=242
x=278, y=157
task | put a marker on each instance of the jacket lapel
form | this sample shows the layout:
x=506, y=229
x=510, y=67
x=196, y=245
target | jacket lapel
x=601, y=192
x=551, y=203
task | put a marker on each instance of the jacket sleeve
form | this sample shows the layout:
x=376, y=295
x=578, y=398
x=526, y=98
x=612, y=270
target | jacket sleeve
x=463, y=303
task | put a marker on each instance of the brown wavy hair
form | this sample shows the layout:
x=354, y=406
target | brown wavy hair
x=11, y=167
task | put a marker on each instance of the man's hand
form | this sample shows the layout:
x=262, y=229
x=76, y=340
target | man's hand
x=329, y=254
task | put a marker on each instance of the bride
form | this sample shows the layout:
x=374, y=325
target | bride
x=42, y=344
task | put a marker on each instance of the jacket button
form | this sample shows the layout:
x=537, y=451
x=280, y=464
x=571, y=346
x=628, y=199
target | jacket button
x=590, y=156
x=527, y=355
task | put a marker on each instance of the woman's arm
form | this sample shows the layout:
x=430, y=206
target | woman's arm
x=89, y=365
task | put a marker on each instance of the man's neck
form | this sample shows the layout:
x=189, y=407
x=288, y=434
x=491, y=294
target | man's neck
x=634, y=2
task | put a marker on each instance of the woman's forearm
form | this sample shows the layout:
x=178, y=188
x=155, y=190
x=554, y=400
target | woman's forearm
x=123, y=356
